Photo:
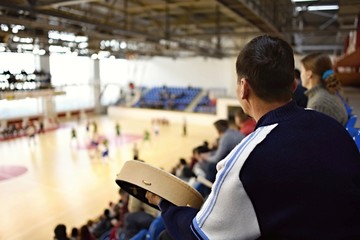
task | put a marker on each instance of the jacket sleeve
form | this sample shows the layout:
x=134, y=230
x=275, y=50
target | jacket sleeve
x=178, y=220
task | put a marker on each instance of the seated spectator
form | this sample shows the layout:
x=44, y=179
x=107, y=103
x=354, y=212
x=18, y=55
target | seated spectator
x=120, y=209
x=183, y=170
x=323, y=86
x=228, y=139
x=103, y=225
x=85, y=234
x=74, y=234
x=60, y=232
x=164, y=93
x=299, y=94
x=140, y=217
x=245, y=123
x=90, y=225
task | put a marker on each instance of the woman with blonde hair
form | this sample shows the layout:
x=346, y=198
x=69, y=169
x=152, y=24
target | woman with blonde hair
x=323, y=86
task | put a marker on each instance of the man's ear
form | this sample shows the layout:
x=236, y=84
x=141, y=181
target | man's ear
x=245, y=89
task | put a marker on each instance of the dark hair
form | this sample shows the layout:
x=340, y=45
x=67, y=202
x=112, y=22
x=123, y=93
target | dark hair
x=297, y=73
x=221, y=125
x=267, y=63
x=60, y=232
x=201, y=149
x=85, y=233
x=319, y=63
x=107, y=213
x=182, y=161
x=74, y=232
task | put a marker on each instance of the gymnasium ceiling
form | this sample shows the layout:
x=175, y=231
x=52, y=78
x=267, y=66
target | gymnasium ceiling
x=171, y=28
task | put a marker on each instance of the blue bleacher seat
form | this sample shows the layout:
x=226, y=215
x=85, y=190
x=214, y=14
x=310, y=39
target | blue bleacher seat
x=156, y=227
x=152, y=99
x=350, y=125
x=204, y=106
x=140, y=235
x=351, y=122
x=357, y=139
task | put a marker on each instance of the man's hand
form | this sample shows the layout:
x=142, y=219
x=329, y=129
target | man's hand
x=153, y=198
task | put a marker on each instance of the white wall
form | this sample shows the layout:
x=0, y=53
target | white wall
x=174, y=116
x=197, y=72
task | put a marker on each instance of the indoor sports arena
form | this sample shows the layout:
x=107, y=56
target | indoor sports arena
x=179, y=119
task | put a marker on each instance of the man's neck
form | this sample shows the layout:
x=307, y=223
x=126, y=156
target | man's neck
x=260, y=108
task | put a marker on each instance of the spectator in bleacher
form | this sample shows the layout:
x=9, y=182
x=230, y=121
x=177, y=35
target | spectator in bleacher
x=103, y=225
x=198, y=166
x=140, y=217
x=171, y=104
x=90, y=225
x=164, y=93
x=195, y=152
x=85, y=234
x=60, y=232
x=245, y=123
x=323, y=86
x=74, y=234
x=183, y=171
x=228, y=139
x=299, y=94
x=121, y=209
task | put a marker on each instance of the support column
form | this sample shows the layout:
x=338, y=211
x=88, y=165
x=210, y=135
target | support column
x=95, y=83
x=42, y=63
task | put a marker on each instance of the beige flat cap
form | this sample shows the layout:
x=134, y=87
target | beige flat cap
x=137, y=178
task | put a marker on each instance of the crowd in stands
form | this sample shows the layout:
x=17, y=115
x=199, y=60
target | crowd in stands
x=25, y=128
x=206, y=105
x=172, y=98
x=205, y=157
x=177, y=98
x=121, y=221
x=24, y=81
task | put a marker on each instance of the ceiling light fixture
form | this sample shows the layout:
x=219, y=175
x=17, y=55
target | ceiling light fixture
x=317, y=8
x=323, y=8
x=295, y=1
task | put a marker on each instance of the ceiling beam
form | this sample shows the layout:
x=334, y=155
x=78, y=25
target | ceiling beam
x=253, y=14
x=56, y=4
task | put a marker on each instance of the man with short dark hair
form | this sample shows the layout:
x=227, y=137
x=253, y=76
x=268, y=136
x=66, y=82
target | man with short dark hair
x=297, y=176
x=228, y=139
